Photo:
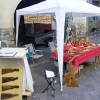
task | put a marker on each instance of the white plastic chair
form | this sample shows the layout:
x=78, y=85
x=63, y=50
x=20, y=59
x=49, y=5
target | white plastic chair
x=52, y=46
x=35, y=53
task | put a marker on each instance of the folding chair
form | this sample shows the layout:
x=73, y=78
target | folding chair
x=50, y=78
x=34, y=53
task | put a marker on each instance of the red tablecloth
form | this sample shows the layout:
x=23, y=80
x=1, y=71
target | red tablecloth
x=84, y=55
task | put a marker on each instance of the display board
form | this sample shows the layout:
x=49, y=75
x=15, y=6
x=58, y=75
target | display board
x=35, y=18
x=10, y=83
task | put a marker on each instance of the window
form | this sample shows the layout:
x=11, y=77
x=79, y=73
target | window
x=96, y=3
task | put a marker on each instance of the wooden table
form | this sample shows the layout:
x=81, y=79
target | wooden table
x=19, y=59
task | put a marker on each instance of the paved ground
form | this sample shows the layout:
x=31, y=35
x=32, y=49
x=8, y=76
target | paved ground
x=89, y=82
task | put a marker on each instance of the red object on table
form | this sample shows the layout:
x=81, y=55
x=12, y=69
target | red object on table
x=86, y=54
x=81, y=43
x=67, y=47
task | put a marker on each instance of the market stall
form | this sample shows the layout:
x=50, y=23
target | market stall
x=76, y=8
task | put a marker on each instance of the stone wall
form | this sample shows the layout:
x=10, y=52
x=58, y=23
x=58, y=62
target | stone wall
x=7, y=37
x=79, y=27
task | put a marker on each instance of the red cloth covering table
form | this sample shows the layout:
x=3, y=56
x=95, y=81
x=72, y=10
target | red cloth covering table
x=85, y=54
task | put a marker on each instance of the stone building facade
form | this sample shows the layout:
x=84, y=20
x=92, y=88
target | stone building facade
x=82, y=26
x=7, y=9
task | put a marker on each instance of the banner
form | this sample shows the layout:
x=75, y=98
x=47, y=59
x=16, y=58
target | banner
x=44, y=19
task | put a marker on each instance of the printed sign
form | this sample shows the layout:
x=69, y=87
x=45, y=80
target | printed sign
x=45, y=19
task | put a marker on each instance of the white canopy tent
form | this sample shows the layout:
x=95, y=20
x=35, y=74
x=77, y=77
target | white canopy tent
x=59, y=8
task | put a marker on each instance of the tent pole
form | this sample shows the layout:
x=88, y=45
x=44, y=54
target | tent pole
x=60, y=19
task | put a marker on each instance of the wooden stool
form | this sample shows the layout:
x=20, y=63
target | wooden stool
x=28, y=94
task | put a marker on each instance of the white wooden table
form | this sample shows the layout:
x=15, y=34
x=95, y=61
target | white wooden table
x=19, y=59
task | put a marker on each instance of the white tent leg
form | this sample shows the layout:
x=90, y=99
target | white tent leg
x=60, y=18
x=17, y=27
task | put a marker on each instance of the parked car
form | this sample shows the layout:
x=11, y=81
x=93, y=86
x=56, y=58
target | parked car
x=43, y=36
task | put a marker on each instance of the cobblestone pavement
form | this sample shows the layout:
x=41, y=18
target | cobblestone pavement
x=89, y=88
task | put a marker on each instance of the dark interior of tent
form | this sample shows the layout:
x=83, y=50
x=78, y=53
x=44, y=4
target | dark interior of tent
x=26, y=28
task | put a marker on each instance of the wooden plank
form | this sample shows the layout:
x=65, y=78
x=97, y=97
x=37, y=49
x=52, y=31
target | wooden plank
x=28, y=94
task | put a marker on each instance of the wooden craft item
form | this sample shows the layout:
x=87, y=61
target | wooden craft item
x=8, y=79
x=7, y=96
x=8, y=70
x=87, y=41
x=70, y=76
x=8, y=87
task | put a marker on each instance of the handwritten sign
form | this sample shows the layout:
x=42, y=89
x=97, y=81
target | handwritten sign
x=45, y=19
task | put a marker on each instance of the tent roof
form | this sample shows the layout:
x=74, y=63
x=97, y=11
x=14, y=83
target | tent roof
x=71, y=6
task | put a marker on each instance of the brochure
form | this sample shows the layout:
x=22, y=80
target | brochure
x=8, y=54
x=49, y=74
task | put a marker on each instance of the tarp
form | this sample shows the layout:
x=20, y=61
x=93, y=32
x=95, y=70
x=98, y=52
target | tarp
x=59, y=8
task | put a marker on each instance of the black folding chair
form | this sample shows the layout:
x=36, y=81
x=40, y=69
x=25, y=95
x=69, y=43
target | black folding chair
x=50, y=81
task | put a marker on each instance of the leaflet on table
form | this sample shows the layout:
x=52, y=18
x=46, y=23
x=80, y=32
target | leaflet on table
x=7, y=53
